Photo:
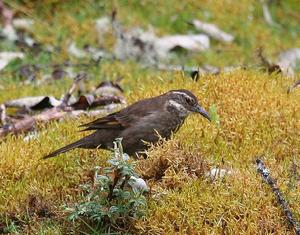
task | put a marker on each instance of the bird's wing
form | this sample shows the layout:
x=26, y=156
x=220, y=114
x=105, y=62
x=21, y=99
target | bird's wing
x=124, y=118
x=107, y=122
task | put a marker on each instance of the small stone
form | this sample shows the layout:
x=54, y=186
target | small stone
x=138, y=184
x=216, y=173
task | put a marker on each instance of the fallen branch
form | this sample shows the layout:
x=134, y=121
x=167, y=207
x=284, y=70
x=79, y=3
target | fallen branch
x=266, y=13
x=23, y=125
x=265, y=174
x=29, y=122
x=61, y=110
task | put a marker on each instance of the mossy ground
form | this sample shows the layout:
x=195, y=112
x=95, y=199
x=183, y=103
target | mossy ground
x=257, y=118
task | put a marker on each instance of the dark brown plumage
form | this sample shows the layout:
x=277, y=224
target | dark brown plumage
x=139, y=123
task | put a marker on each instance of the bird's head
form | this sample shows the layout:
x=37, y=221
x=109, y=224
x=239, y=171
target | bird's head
x=185, y=102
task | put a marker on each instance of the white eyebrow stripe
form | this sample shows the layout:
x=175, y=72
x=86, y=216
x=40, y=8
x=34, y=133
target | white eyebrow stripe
x=178, y=106
x=182, y=93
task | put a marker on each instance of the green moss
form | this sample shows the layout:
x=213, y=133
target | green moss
x=256, y=117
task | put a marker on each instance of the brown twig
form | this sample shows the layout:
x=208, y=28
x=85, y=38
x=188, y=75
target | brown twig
x=265, y=174
x=117, y=29
x=267, y=65
x=292, y=87
x=76, y=81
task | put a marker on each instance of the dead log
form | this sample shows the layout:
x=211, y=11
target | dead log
x=16, y=126
x=23, y=125
x=29, y=122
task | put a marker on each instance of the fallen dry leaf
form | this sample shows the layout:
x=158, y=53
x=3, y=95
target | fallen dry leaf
x=34, y=102
x=7, y=57
x=22, y=23
x=213, y=31
x=147, y=48
x=199, y=42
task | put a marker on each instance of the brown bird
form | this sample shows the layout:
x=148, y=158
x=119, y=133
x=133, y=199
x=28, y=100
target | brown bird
x=139, y=123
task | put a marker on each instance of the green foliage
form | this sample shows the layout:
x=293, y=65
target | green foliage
x=214, y=115
x=111, y=201
x=11, y=228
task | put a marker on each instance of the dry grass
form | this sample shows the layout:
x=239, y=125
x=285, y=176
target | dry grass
x=257, y=117
x=171, y=166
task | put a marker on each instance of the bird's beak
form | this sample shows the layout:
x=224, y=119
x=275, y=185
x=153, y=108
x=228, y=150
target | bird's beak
x=202, y=111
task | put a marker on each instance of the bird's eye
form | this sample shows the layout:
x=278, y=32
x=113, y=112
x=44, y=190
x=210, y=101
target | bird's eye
x=190, y=101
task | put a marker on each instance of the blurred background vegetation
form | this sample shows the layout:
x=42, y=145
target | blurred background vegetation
x=256, y=115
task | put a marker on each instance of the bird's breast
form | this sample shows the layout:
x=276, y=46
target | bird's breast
x=149, y=129
x=163, y=122
x=160, y=121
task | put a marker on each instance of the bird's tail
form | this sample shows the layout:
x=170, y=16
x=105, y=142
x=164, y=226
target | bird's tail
x=77, y=144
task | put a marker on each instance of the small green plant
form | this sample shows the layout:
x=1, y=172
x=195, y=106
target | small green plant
x=214, y=115
x=116, y=198
x=11, y=228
